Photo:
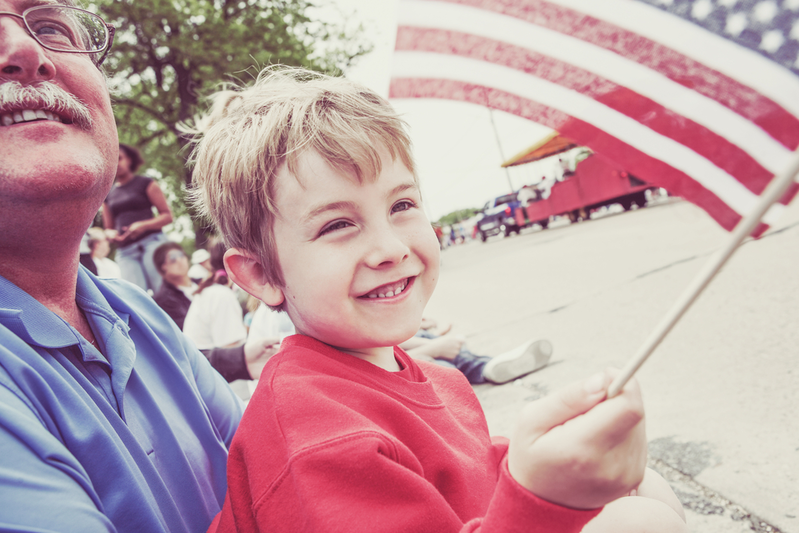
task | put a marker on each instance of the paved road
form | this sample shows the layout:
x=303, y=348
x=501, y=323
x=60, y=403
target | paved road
x=721, y=391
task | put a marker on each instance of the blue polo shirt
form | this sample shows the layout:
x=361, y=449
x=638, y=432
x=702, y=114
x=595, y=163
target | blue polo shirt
x=133, y=440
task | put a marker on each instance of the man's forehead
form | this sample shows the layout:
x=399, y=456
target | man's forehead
x=22, y=5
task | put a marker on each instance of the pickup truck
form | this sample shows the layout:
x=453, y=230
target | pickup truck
x=498, y=215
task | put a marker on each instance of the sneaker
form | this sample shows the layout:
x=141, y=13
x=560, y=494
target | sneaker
x=529, y=357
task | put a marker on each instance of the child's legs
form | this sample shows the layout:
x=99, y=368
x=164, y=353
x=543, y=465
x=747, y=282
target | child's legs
x=471, y=366
x=655, y=509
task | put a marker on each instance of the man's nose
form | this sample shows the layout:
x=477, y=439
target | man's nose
x=22, y=58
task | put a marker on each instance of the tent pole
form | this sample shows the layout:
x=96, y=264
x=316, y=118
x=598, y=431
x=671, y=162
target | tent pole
x=499, y=145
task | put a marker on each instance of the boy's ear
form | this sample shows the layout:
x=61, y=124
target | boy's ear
x=248, y=273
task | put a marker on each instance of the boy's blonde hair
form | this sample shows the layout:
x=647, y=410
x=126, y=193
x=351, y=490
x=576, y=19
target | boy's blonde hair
x=251, y=132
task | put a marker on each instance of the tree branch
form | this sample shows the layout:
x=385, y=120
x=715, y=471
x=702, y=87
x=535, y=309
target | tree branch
x=158, y=116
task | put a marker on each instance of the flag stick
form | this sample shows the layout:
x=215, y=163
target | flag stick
x=773, y=192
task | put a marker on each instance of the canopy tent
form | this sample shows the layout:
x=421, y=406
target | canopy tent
x=550, y=145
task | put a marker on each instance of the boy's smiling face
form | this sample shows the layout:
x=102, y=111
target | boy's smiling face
x=359, y=260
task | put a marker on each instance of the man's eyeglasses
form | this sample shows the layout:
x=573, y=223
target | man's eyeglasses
x=68, y=29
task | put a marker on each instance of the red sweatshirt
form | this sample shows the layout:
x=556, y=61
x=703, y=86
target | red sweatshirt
x=330, y=442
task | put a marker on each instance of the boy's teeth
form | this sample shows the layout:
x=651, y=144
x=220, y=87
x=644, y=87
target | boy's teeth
x=27, y=115
x=393, y=290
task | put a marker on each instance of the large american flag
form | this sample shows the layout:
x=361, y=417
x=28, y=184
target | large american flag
x=700, y=97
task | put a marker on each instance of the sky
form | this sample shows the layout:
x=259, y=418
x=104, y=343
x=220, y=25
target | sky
x=458, y=150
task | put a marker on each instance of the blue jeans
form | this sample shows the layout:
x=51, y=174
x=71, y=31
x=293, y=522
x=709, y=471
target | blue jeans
x=469, y=364
x=136, y=262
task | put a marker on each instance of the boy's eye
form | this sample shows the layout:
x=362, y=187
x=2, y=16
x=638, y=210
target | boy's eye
x=402, y=205
x=337, y=225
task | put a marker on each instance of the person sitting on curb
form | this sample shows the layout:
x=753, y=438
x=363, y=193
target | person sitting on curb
x=214, y=322
x=437, y=345
x=100, y=247
x=177, y=289
x=450, y=350
x=200, y=265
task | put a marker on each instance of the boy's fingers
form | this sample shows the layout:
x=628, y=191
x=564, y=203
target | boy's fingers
x=565, y=404
x=613, y=419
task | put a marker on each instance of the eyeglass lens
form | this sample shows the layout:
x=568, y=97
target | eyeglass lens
x=174, y=255
x=67, y=29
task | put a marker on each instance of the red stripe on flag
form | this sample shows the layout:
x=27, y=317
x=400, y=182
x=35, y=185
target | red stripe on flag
x=641, y=165
x=770, y=116
x=722, y=153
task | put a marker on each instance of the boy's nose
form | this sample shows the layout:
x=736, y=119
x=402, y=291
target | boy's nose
x=386, y=247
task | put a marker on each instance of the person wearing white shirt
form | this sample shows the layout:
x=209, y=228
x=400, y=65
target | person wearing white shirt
x=100, y=248
x=215, y=323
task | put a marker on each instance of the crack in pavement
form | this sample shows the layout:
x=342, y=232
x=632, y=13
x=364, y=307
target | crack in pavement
x=705, y=501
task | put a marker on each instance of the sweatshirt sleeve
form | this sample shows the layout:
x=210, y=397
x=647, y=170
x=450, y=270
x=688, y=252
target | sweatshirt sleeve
x=362, y=483
x=513, y=504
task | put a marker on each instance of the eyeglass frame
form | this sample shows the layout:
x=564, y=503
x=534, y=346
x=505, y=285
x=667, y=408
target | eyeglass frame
x=109, y=28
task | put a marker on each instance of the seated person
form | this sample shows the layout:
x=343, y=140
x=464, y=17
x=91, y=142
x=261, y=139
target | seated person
x=200, y=265
x=345, y=431
x=215, y=322
x=100, y=247
x=450, y=350
x=177, y=289
x=445, y=350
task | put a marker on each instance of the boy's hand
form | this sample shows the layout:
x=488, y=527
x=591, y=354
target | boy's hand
x=573, y=449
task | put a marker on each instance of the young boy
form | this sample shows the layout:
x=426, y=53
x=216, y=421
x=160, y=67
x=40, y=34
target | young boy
x=311, y=182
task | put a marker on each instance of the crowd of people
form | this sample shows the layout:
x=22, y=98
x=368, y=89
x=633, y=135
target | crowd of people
x=112, y=419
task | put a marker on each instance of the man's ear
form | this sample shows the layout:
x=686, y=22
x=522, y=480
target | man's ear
x=248, y=273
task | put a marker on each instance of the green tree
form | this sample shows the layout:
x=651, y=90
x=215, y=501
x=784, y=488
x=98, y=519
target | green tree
x=457, y=216
x=168, y=54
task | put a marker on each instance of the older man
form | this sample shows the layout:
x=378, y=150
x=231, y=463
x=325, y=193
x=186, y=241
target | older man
x=109, y=419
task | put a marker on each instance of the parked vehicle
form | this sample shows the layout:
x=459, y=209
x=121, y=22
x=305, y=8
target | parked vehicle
x=498, y=216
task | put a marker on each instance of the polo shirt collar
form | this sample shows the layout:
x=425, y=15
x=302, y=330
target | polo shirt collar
x=34, y=323
x=31, y=321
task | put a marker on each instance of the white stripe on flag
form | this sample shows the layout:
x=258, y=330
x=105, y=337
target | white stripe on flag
x=630, y=131
x=627, y=73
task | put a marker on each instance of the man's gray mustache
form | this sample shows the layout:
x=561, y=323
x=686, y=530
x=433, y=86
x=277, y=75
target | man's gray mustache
x=44, y=95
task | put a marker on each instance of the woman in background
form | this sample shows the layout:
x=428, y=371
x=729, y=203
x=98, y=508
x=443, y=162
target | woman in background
x=129, y=221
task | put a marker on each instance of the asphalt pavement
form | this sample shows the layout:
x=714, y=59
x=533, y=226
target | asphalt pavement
x=721, y=390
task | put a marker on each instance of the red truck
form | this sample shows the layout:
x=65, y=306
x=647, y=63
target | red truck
x=593, y=184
